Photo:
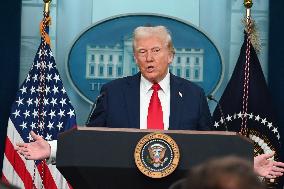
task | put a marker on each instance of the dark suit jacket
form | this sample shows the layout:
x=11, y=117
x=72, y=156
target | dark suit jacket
x=119, y=105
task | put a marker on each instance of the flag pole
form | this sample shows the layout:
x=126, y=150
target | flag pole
x=248, y=4
x=47, y=5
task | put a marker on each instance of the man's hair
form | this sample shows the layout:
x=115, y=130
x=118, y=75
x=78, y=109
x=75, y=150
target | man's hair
x=148, y=31
x=224, y=173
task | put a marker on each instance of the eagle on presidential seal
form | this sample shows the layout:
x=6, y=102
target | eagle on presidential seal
x=157, y=155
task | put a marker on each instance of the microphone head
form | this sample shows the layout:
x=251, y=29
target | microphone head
x=210, y=97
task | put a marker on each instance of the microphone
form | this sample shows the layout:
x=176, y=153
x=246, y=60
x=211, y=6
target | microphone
x=94, y=106
x=210, y=97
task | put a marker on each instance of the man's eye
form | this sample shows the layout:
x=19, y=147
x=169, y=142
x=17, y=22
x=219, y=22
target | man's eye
x=156, y=50
x=142, y=51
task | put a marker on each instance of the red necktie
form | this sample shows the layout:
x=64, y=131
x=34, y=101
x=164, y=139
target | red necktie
x=155, y=113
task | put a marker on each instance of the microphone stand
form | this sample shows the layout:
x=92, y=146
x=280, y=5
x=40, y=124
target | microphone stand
x=94, y=106
x=210, y=97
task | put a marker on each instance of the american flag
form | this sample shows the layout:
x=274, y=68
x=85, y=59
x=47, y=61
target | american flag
x=43, y=106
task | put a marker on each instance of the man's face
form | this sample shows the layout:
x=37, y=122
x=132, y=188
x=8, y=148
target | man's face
x=153, y=58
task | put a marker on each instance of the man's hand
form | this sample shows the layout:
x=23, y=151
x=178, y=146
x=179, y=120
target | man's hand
x=268, y=168
x=37, y=150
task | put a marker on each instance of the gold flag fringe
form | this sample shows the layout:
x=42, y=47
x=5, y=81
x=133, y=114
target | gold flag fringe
x=254, y=34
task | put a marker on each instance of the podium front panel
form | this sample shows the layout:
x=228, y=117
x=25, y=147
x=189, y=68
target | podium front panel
x=105, y=158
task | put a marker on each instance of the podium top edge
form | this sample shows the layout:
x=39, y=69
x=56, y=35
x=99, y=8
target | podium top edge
x=107, y=129
x=134, y=130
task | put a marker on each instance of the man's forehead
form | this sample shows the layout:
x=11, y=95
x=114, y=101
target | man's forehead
x=150, y=37
x=150, y=42
x=150, y=47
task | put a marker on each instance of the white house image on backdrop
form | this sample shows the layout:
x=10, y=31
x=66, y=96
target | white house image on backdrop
x=110, y=62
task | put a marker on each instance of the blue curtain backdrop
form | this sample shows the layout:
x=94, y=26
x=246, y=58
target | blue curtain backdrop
x=10, y=32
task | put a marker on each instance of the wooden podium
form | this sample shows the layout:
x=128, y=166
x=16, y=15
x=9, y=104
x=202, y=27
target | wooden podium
x=103, y=158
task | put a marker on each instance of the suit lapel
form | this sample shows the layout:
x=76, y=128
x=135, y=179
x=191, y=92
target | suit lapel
x=132, y=97
x=175, y=102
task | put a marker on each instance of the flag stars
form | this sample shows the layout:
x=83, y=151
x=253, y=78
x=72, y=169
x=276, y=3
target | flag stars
x=41, y=78
x=37, y=65
x=56, y=78
x=32, y=90
x=53, y=101
x=43, y=65
x=36, y=101
x=47, y=90
x=30, y=101
x=48, y=137
x=33, y=125
x=49, y=66
x=27, y=113
x=60, y=126
x=216, y=124
x=39, y=89
x=45, y=101
x=45, y=52
x=48, y=77
x=42, y=104
x=50, y=53
x=52, y=114
x=240, y=115
x=50, y=125
x=61, y=113
x=39, y=53
x=16, y=113
x=263, y=121
x=23, y=125
x=275, y=130
x=62, y=101
x=229, y=118
x=23, y=90
x=28, y=78
x=269, y=125
x=30, y=137
x=35, y=113
x=63, y=90
x=250, y=116
x=257, y=118
x=55, y=89
x=43, y=113
x=20, y=101
x=71, y=113
x=34, y=77
x=41, y=125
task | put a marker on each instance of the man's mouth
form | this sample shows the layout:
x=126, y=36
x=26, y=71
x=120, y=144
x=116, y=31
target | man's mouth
x=150, y=69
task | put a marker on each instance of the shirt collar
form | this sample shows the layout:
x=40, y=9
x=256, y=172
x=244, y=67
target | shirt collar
x=164, y=83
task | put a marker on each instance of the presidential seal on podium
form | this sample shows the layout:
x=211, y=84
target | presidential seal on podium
x=156, y=155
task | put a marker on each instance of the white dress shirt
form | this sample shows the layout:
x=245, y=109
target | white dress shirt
x=145, y=96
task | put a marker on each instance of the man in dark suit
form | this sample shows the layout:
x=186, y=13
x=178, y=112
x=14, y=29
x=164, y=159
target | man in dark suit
x=124, y=102
x=119, y=105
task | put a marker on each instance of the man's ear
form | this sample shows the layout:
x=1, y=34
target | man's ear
x=171, y=58
x=135, y=59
